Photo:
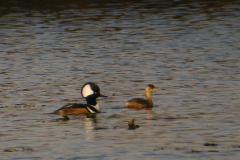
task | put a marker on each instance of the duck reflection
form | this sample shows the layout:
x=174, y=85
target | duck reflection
x=89, y=129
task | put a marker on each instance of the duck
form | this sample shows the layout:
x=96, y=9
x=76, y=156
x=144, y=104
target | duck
x=140, y=103
x=90, y=91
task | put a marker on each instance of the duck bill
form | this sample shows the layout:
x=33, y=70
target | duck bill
x=100, y=95
x=155, y=89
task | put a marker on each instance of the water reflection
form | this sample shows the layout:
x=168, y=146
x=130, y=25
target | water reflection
x=149, y=111
x=89, y=129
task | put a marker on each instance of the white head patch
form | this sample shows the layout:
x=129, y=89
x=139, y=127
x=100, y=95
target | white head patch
x=86, y=91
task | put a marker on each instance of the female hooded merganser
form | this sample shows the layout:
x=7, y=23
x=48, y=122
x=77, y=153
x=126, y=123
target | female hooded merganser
x=90, y=92
x=139, y=103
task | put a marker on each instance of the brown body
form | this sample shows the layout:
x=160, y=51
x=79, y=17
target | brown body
x=139, y=103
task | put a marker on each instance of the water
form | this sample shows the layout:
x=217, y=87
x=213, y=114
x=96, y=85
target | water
x=188, y=49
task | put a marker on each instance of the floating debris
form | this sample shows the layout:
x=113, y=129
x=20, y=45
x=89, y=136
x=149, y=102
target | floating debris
x=194, y=151
x=19, y=106
x=157, y=149
x=115, y=116
x=170, y=118
x=10, y=150
x=177, y=149
x=18, y=149
x=101, y=128
x=210, y=144
x=131, y=125
x=213, y=151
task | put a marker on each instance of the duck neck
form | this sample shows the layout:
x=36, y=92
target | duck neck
x=92, y=105
x=91, y=101
x=148, y=97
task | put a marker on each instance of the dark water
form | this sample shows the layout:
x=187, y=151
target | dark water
x=190, y=50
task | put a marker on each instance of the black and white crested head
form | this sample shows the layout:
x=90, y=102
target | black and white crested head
x=91, y=89
x=87, y=90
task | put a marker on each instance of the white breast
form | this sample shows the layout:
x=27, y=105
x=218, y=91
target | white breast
x=96, y=107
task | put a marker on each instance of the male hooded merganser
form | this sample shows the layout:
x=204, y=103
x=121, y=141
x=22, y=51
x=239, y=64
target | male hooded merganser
x=90, y=92
x=139, y=103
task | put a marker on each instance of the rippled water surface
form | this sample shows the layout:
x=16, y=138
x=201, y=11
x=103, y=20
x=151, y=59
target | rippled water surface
x=190, y=50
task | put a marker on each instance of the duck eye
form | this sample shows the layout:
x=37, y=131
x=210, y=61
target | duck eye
x=95, y=92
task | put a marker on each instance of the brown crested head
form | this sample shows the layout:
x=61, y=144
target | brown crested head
x=151, y=88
